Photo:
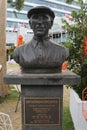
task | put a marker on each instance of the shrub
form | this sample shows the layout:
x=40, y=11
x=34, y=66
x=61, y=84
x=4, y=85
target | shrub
x=77, y=44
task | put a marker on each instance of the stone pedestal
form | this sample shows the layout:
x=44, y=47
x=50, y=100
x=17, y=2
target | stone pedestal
x=42, y=98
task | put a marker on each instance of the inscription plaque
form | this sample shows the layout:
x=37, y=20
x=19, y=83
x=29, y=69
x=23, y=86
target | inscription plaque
x=42, y=111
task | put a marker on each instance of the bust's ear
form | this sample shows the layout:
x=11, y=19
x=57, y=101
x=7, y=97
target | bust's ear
x=51, y=24
x=30, y=24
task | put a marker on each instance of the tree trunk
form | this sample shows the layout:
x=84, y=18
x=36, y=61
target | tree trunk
x=3, y=88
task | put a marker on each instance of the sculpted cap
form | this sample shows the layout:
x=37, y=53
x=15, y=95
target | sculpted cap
x=41, y=9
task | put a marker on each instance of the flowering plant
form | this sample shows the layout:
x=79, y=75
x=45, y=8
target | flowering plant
x=77, y=43
x=84, y=46
x=20, y=40
x=10, y=50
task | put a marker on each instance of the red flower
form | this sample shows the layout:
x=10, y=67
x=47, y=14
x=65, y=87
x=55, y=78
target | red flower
x=85, y=49
x=65, y=65
x=20, y=40
x=85, y=40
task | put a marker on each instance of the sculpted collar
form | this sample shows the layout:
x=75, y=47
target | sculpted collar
x=44, y=41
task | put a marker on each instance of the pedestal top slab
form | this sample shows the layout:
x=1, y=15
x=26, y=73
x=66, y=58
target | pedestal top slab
x=66, y=77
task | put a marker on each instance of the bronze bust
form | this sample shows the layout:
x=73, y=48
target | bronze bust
x=41, y=54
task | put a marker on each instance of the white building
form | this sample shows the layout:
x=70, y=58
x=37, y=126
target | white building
x=19, y=25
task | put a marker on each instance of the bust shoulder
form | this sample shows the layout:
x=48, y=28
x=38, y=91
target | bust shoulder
x=22, y=47
x=20, y=50
x=57, y=45
x=59, y=49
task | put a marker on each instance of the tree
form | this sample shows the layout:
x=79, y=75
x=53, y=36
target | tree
x=18, y=4
x=3, y=89
x=77, y=41
x=69, y=1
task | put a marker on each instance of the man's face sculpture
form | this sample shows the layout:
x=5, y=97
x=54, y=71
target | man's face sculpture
x=40, y=24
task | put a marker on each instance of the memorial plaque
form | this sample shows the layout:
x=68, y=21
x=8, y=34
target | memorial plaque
x=42, y=111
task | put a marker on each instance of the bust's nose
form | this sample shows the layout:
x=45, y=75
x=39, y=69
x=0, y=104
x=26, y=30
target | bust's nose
x=40, y=23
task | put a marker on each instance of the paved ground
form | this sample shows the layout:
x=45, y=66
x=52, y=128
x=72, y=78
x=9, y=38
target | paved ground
x=9, y=108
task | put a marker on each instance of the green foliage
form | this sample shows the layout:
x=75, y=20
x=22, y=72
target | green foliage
x=77, y=31
x=9, y=1
x=11, y=50
x=18, y=4
x=12, y=95
x=69, y=1
x=67, y=120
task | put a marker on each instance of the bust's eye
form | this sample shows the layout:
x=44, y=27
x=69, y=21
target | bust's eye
x=41, y=17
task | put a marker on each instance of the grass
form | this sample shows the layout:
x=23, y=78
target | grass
x=12, y=95
x=67, y=120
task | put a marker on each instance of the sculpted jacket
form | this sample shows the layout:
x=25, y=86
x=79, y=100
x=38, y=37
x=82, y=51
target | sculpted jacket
x=43, y=54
